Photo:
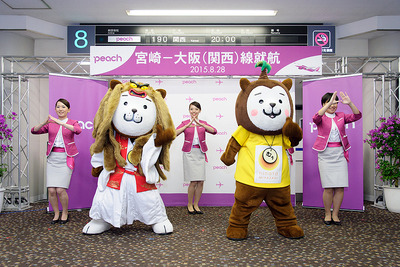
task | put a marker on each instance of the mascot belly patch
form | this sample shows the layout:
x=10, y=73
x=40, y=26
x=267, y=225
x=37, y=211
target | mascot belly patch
x=264, y=112
x=133, y=131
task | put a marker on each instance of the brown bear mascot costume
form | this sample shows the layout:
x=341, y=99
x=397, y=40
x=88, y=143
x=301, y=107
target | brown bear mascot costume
x=264, y=112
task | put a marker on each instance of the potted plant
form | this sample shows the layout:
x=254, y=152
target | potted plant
x=385, y=140
x=5, y=137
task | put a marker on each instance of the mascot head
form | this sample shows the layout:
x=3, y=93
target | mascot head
x=133, y=110
x=262, y=106
x=136, y=112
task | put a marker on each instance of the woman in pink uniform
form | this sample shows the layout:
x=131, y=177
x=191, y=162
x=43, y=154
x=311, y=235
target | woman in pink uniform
x=61, y=150
x=332, y=145
x=194, y=156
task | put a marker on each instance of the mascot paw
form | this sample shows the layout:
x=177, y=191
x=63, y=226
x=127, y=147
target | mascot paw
x=228, y=161
x=236, y=234
x=96, y=171
x=293, y=131
x=163, y=228
x=292, y=232
x=95, y=227
x=164, y=136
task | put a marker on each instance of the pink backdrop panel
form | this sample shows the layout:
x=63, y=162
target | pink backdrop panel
x=203, y=60
x=84, y=95
x=313, y=90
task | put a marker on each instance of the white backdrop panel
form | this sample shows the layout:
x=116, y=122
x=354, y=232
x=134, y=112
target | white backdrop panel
x=217, y=97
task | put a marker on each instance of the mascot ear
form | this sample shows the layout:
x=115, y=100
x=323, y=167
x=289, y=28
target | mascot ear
x=113, y=83
x=244, y=83
x=288, y=83
x=162, y=92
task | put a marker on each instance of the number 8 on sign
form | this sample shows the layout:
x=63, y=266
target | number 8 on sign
x=81, y=36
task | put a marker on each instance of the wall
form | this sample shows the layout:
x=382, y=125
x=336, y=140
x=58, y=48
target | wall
x=387, y=45
x=38, y=112
x=46, y=47
x=352, y=48
x=13, y=44
x=368, y=124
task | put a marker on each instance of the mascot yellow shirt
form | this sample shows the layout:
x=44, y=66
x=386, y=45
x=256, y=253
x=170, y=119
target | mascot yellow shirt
x=262, y=160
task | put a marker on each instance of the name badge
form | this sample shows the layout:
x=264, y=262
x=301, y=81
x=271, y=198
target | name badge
x=268, y=164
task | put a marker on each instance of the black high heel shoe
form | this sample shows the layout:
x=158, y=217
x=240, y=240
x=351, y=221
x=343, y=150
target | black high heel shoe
x=64, y=221
x=55, y=221
x=191, y=212
x=197, y=211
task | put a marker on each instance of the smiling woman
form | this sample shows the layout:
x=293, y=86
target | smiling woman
x=332, y=145
x=194, y=154
x=61, y=150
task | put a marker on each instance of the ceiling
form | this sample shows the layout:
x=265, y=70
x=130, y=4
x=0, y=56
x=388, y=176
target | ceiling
x=357, y=17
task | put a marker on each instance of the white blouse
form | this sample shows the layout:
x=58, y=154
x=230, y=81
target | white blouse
x=334, y=134
x=59, y=141
x=195, y=137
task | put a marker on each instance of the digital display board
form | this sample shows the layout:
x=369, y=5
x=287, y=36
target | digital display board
x=184, y=35
x=201, y=35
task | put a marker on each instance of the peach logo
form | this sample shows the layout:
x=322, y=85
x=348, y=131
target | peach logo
x=189, y=82
x=107, y=58
x=219, y=167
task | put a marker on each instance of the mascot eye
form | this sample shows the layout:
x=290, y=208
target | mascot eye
x=261, y=101
x=280, y=101
x=145, y=107
x=125, y=103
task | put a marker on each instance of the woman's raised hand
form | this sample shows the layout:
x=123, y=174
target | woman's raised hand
x=333, y=99
x=47, y=120
x=196, y=120
x=345, y=98
x=53, y=119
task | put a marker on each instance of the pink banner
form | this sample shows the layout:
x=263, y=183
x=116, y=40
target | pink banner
x=312, y=93
x=84, y=95
x=204, y=60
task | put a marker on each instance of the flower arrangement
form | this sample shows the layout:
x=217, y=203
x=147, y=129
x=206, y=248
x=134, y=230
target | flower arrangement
x=5, y=134
x=385, y=139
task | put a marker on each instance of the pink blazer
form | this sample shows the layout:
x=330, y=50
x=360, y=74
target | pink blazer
x=68, y=136
x=324, y=125
x=189, y=135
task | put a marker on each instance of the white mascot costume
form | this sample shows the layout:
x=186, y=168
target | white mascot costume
x=133, y=131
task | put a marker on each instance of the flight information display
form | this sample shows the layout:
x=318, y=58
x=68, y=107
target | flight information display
x=81, y=37
x=201, y=35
